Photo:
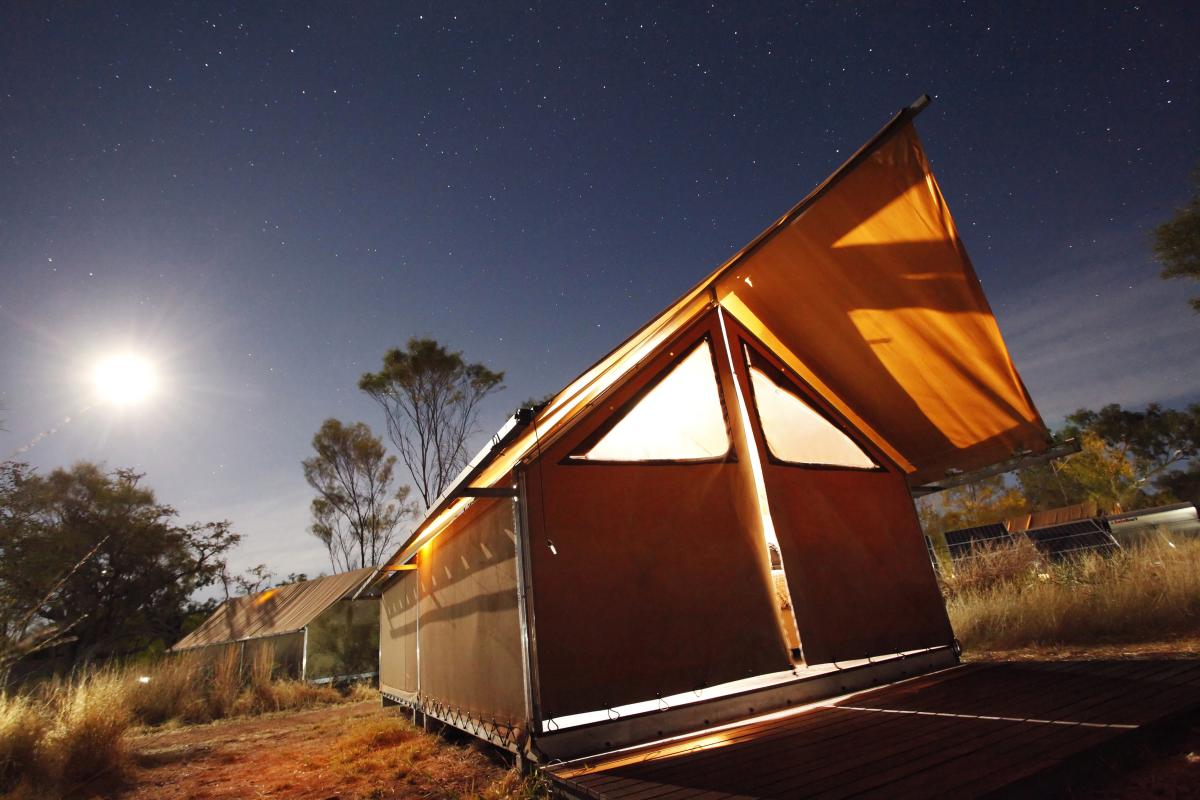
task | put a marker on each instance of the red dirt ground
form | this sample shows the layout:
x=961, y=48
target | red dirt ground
x=297, y=755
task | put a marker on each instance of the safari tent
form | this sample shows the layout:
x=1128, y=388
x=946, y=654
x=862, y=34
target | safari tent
x=600, y=574
x=318, y=630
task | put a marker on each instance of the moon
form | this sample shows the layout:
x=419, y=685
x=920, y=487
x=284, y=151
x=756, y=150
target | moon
x=125, y=379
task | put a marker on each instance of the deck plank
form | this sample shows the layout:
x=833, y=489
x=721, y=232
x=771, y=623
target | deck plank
x=932, y=735
x=794, y=756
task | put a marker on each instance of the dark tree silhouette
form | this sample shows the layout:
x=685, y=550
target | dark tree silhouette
x=90, y=557
x=1177, y=241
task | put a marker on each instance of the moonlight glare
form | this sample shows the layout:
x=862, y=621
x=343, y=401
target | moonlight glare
x=124, y=380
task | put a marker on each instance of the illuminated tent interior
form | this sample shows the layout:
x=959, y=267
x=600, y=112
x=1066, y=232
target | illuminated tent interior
x=319, y=630
x=601, y=570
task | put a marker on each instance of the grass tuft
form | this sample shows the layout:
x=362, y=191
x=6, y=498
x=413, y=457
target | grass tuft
x=87, y=740
x=1005, y=599
x=23, y=728
x=169, y=691
x=224, y=683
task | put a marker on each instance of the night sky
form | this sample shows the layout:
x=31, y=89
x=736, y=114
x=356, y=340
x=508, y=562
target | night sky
x=264, y=199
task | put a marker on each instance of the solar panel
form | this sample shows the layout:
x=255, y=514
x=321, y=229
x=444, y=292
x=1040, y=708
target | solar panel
x=964, y=540
x=1073, y=538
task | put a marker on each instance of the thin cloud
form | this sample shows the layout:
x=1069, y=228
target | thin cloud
x=1093, y=336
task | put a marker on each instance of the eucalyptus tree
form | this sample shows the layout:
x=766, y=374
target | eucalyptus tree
x=430, y=398
x=357, y=512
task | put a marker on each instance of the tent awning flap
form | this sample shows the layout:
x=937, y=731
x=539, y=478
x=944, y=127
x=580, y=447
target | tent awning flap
x=865, y=290
x=872, y=294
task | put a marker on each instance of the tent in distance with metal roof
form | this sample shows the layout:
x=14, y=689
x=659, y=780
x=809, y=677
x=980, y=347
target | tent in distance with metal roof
x=314, y=630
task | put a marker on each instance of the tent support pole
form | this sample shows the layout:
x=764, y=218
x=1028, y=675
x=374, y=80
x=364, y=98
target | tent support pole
x=750, y=445
x=525, y=606
x=416, y=629
x=304, y=657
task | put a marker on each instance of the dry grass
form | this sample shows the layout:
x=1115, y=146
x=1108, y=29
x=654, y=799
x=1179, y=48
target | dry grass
x=65, y=736
x=357, y=692
x=23, y=727
x=991, y=566
x=170, y=693
x=1006, y=599
x=189, y=689
x=391, y=751
x=286, y=695
x=224, y=683
x=87, y=740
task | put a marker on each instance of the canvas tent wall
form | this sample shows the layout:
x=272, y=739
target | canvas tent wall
x=313, y=630
x=610, y=549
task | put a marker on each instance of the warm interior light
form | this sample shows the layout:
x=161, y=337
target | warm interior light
x=679, y=419
x=797, y=434
x=124, y=379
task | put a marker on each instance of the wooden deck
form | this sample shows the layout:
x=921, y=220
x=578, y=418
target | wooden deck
x=968, y=731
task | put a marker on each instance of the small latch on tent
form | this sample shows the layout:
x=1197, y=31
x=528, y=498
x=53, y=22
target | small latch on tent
x=553, y=549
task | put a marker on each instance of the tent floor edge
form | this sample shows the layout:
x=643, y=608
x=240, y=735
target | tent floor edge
x=588, y=741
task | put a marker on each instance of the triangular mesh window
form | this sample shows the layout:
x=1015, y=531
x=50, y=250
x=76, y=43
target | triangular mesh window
x=679, y=419
x=795, y=432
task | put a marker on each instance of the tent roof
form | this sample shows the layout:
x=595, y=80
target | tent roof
x=865, y=291
x=284, y=609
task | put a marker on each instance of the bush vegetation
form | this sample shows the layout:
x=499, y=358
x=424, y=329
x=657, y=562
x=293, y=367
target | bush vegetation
x=1008, y=597
x=66, y=734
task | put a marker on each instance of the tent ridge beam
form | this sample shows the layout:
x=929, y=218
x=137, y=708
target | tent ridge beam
x=487, y=491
